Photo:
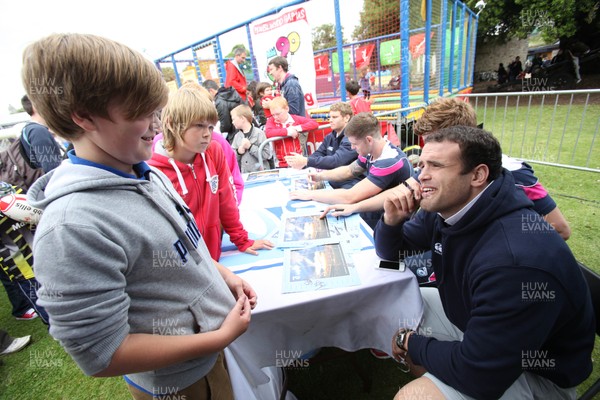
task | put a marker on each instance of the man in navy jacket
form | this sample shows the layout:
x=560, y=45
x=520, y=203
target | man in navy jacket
x=335, y=150
x=513, y=317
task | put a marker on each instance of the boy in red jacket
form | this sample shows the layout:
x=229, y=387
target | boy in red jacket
x=284, y=124
x=199, y=172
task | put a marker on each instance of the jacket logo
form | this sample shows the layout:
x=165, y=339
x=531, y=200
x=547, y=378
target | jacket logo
x=438, y=248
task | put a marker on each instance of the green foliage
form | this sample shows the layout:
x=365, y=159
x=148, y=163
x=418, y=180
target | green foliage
x=230, y=55
x=323, y=37
x=168, y=73
x=503, y=20
x=378, y=18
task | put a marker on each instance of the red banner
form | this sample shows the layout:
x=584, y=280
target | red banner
x=322, y=64
x=362, y=55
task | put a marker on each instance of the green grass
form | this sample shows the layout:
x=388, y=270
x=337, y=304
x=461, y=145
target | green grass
x=44, y=371
x=554, y=132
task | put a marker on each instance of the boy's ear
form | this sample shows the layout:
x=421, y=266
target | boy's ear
x=83, y=120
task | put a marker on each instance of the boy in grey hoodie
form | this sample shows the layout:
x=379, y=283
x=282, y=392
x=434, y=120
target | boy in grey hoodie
x=128, y=293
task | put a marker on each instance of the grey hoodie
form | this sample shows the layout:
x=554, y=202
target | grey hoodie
x=117, y=255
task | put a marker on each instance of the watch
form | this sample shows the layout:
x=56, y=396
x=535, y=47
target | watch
x=401, y=338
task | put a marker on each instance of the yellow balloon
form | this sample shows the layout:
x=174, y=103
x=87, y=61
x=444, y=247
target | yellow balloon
x=294, y=39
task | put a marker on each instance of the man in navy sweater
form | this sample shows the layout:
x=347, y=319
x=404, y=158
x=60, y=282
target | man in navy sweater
x=511, y=316
x=335, y=150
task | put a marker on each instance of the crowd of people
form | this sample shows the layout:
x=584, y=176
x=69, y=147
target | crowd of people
x=462, y=207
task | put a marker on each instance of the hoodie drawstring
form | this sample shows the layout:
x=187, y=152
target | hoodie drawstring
x=184, y=189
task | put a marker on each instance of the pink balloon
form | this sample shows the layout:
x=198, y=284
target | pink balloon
x=283, y=45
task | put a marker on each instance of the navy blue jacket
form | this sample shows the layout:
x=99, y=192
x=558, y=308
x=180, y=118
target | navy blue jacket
x=40, y=147
x=292, y=92
x=334, y=152
x=511, y=284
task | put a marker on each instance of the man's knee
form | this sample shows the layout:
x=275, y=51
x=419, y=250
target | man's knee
x=421, y=388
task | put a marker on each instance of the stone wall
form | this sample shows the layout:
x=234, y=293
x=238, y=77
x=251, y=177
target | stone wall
x=488, y=56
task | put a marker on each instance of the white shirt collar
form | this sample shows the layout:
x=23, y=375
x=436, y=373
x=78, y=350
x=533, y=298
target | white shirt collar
x=453, y=219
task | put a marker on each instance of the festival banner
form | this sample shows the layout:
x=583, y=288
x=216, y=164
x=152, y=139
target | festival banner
x=322, y=64
x=287, y=34
x=362, y=55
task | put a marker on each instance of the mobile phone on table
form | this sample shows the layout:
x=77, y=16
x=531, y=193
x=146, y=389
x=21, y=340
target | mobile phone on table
x=391, y=265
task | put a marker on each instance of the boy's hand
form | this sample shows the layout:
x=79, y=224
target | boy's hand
x=297, y=161
x=245, y=143
x=238, y=319
x=259, y=244
x=292, y=132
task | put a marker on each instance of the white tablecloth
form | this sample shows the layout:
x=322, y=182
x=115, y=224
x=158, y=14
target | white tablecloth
x=285, y=326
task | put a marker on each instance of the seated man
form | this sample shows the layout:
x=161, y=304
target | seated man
x=335, y=150
x=450, y=112
x=512, y=316
x=284, y=124
x=384, y=164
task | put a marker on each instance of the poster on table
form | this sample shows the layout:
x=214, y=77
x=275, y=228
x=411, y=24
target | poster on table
x=287, y=34
x=318, y=267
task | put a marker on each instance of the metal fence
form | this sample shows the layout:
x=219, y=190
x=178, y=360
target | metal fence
x=558, y=128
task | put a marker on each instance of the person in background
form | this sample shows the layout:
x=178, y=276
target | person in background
x=358, y=104
x=247, y=141
x=335, y=150
x=447, y=112
x=226, y=99
x=9, y=344
x=234, y=76
x=38, y=143
x=502, y=74
x=384, y=164
x=219, y=140
x=197, y=169
x=264, y=94
x=289, y=126
x=109, y=282
x=258, y=113
x=366, y=76
x=288, y=85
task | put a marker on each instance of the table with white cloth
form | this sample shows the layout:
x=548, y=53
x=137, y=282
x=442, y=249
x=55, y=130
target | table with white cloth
x=285, y=326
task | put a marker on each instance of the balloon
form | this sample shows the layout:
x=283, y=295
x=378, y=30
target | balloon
x=283, y=45
x=294, y=40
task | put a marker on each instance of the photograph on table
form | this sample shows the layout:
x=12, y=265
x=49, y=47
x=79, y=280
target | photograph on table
x=308, y=229
x=263, y=176
x=304, y=183
x=324, y=266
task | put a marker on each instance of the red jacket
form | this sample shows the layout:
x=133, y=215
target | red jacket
x=235, y=78
x=288, y=145
x=210, y=210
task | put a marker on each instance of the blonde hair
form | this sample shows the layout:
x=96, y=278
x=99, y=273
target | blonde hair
x=66, y=74
x=444, y=113
x=186, y=107
x=243, y=111
x=279, y=102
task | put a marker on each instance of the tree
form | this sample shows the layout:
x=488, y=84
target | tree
x=502, y=20
x=168, y=73
x=324, y=37
x=378, y=18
